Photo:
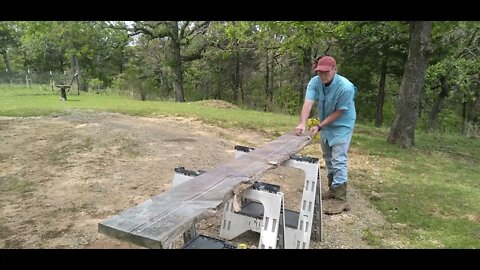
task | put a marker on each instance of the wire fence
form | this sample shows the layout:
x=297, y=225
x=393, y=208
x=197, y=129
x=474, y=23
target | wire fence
x=29, y=78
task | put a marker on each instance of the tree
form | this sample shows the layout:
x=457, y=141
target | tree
x=185, y=44
x=402, y=131
x=374, y=54
x=453, y=70
x=88, y=48
x=8, y=40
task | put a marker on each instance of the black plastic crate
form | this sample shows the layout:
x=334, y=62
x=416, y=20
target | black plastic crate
x=205, y=242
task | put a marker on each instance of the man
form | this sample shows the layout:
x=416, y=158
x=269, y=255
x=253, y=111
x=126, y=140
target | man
x=334, y=95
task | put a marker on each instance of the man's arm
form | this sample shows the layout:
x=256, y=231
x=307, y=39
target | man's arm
x=332, y=117
x=307, y=107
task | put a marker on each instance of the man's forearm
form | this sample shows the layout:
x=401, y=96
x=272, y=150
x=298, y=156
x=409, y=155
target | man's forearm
x=307, y=107
x=332, y=117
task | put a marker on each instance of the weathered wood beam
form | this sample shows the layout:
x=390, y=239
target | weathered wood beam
x=159, y=221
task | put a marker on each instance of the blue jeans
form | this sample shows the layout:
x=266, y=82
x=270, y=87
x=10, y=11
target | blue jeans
x=336, y=158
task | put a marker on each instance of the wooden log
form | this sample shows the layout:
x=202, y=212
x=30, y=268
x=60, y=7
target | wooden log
x=159, y=221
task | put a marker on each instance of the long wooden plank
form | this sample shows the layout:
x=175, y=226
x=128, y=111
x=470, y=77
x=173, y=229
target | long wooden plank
x=157, y=222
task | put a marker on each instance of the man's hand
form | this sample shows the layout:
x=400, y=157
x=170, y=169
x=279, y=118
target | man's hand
x=300, y=129
x=315, y=129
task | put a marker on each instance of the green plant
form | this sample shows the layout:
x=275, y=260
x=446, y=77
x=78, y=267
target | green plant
x=96, y=85
x=473, y=130
x=288, y=100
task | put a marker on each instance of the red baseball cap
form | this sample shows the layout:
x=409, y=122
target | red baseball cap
x=325, y=63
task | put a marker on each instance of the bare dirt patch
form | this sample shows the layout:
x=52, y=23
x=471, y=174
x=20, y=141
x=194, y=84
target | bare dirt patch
x=215, y=103
x=61, y=175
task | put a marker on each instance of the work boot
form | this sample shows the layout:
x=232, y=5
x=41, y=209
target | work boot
x=339, y=202
x=329, y=193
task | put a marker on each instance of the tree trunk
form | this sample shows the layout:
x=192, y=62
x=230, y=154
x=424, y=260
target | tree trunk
x=218, y=87
x=420, y=103
x=122, y=61
x=307, y=73
x=165, y=84
x=472, y=117
x=438, y=105
x=464, y=113
x=402, y=131
x=177, y=71
x=241, y=90
x=272, y=78
x=236, y=77
x=6, y=60
x=7, y=65
x=267, y=80
x=381, y=94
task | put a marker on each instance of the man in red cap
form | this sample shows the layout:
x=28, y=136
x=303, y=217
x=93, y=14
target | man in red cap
x=334, y=95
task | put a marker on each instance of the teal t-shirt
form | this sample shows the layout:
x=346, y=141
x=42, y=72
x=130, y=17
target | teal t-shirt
x=339, y=95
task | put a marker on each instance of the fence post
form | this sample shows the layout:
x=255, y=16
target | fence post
x=26, y=77
x=51, y=80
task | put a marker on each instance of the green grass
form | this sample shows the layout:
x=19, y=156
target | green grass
x=432, y=190
x=128, y=146
x=372, y=239
x=17, y=101
x=12, y=183
x=60, y=155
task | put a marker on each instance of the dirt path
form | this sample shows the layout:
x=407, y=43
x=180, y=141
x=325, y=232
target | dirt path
x=60, y=176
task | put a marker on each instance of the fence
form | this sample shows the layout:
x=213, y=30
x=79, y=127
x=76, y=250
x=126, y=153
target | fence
x=29, y=78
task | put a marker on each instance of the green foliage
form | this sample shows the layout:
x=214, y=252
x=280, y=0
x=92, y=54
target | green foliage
x=137, y=85
x=52, y=46
x=9, y=42
x=256, y=98
x=118, y=85
x=473, y=130
x=453, y=73
x=288, y=100
x=213, y=80
x=450, y=122
x=96, y=85
x=363, y=48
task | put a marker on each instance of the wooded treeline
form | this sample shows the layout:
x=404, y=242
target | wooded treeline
x=409, y=74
